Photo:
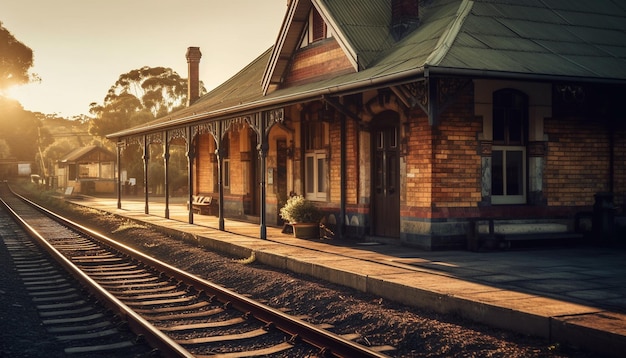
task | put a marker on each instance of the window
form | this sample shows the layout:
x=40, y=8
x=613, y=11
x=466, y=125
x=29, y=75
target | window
x=508, y=167
x=508, y=175
x=106, y=170
x=315, y=163
x=315, y=166
x=316, y=29
x=88, y=170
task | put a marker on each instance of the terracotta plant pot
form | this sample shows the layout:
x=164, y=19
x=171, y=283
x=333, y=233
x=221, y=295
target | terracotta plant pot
x=306, y=230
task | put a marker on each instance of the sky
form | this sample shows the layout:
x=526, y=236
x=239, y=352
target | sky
x=81, y=47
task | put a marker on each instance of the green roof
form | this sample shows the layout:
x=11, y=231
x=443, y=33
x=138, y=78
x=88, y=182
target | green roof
x=536, y=39
x=551, y=37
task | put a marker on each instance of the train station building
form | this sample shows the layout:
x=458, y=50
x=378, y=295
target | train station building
x=428, y=123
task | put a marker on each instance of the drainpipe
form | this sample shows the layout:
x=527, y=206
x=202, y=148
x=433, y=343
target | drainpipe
x=166, y=160
x=611, y=155
x=342, y=208
x=191, y=153
x=119, y=173
x=219, y=152
x=263, y=148
x=146, y=158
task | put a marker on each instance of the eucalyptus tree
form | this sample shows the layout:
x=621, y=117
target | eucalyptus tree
x=137, y=97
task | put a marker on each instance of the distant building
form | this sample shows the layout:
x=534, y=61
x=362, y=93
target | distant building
x=10, y=168
x=416, y=122
x=87, y=170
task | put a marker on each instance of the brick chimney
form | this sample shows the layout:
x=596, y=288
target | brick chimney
x=193, y=67
x=404, y=17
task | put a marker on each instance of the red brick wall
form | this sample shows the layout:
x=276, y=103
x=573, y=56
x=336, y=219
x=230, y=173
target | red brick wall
x=577, y=163
x=419, y=162
x=205, y=163
x=236, y=166
x=352, y=160
x=323, y=59
x=334, y=162
x=456, y=160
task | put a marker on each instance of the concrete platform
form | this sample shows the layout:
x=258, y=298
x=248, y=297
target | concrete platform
x=574, y=296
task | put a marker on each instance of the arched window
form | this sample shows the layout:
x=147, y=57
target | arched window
x=510, y=128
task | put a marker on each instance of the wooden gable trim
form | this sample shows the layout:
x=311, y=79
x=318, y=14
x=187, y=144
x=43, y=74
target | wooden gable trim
x=337, y=33
x=289, y=38
x=295, y=20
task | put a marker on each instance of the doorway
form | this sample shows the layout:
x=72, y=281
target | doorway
x=386, y=175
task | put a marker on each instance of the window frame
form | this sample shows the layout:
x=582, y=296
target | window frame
x=316, y=137
x=509, y=143
x=505, y=198
x=315, y=180
x=310, y=35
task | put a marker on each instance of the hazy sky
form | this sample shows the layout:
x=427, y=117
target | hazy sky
x=82, y=46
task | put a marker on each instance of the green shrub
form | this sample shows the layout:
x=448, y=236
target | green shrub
x=300, y=210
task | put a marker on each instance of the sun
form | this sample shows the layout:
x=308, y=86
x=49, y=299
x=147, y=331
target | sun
x=12, y=92
x=26, y=94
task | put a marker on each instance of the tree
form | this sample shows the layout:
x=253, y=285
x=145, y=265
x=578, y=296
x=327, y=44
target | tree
x=138, y=97
x=15, y=60
x=5, y=151
x=22, y=130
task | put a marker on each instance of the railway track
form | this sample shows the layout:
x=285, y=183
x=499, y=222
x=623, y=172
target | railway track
x=176, y=313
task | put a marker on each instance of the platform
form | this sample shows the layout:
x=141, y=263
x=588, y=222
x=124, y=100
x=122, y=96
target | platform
x=574, y=296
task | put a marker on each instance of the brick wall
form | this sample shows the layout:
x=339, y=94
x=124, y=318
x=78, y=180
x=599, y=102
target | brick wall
x=236, y=166
x=456, y=159
x=321, y=60
x=352, y=160
x=577, y=163
x=419, y=162
x=204, y=180
x=334, y=162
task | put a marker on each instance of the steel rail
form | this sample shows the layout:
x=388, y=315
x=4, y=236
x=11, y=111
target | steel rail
x=331, y=345
x=152, y=335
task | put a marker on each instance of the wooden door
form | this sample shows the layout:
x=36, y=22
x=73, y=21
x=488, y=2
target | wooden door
x=386, y=180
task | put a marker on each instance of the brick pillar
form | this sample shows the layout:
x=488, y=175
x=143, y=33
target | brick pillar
x=404, y=16
x=193, y=81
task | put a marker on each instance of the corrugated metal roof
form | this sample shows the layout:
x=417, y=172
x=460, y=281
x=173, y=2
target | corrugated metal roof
x=551, y=37
x=365, y=24
x=535, y=38
x=78, y=153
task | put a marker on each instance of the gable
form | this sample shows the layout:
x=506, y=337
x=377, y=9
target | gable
x=88, y=154
x=305, y=44
x=324, y=59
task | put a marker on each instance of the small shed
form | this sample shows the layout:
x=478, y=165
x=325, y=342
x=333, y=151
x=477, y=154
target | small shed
x=87, y=170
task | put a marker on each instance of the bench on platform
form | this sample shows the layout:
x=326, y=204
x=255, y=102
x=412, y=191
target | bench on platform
x=501, y=233
x=203, y=205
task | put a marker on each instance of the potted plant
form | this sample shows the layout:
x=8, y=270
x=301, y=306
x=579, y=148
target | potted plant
x=303, y=216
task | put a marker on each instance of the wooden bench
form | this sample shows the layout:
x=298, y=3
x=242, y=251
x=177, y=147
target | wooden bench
x=500, y=233
x=203, y=205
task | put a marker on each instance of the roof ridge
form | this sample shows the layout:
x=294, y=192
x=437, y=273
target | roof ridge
x=449, y=36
